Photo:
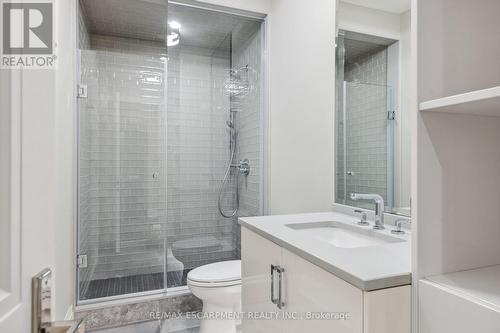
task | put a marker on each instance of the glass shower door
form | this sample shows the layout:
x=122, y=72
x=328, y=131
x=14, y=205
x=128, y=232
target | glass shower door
x=367, y=142
x=122, y=175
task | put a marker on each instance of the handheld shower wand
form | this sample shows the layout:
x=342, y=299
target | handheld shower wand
x=243, y=167
x=237, y=85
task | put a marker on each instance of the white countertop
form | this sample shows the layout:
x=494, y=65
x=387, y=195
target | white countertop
x=368, y=268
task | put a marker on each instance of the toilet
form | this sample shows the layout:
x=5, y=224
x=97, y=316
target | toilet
x=218, y=285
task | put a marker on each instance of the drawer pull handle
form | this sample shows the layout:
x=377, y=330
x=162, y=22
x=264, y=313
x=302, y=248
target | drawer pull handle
x=278, y=301
x=273, y=300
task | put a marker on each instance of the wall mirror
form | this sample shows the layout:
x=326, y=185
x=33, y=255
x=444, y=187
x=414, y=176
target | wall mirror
x=372, y=139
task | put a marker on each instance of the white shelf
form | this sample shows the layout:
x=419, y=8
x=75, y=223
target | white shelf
x=484, y=102
x=478, y=285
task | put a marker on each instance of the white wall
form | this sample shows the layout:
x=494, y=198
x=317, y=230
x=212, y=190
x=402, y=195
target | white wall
x=368, y=21
x=302, y=101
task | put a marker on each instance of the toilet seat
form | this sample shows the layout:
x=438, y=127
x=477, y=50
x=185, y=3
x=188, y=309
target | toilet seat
x=219, y=274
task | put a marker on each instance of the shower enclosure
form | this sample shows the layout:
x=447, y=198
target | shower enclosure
x=170, y=141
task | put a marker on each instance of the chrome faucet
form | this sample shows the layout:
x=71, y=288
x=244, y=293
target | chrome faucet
x=379, y=207
x=363, y=220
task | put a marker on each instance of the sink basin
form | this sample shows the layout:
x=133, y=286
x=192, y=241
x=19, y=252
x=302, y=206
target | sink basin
x=343, y=235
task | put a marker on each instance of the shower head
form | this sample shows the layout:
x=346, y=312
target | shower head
x=238, y=83
x=230, y=124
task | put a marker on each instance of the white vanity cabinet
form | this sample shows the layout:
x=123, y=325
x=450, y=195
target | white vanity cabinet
x=307, y=289
x=258, y=255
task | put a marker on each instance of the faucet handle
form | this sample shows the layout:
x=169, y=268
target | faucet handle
x=398, y=223
x=363, y=220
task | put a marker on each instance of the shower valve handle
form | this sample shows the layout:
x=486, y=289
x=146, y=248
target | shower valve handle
x=244, y=167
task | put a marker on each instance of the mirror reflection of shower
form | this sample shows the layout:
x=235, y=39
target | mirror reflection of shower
x=237, y=86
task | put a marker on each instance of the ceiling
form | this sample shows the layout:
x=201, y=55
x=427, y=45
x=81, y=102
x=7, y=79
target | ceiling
x=147, y=20
x=210, y=29
x=391, y=6
x=141, y=19
x=359, y=45
x=355, y=50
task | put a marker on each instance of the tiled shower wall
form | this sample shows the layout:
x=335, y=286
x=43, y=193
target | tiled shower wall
x=198, y=152
x=370, y=68
x=250, y=139
x=366, y=132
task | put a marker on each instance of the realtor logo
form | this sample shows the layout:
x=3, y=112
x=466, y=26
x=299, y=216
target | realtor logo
x=27, y=34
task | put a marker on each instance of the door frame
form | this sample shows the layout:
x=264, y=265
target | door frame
x=12, y=298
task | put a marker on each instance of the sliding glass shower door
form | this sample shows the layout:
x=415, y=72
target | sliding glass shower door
x=122, y=174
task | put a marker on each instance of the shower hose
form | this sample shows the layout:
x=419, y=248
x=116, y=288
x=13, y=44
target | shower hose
x=224, y=181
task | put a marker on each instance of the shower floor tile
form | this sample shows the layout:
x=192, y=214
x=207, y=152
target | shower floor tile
x=133, y=284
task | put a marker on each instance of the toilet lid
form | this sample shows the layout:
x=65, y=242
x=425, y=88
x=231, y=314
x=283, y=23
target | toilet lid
x=224, y=271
